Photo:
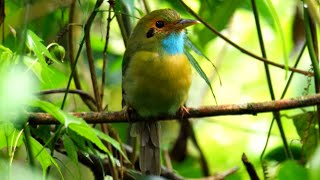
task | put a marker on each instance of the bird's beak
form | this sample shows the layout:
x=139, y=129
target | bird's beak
x=183, y=23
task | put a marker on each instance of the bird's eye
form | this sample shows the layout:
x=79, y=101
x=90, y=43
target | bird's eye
x=159, y=24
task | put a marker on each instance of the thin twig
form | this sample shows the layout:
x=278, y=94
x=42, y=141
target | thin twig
x=71, y=91
x=205, y=111
x=90, y=55
x=104, y=65
x=124, y=31
x=250, y=169
x=146, y=6
x=239, y=47
x=76, y=79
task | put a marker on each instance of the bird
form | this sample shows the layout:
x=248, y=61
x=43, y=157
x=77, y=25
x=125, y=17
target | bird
x=156, y=77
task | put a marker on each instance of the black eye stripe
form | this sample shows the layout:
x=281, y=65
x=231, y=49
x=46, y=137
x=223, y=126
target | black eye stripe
x=159, y=24
x=150, y=33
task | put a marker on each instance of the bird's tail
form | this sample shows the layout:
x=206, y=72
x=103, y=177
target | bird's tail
x=149, y=134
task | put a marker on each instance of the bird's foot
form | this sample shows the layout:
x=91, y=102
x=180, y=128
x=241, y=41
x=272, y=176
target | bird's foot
x=183, y=110
x=128, y=112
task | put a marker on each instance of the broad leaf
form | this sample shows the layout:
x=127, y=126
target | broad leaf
x=43, y=156
x=78, y=125
x=87, y=132
x=35, y=44
x=9, y=136
x=110, y=140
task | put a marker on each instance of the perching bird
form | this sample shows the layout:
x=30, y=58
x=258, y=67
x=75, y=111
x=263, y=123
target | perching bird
x=156, y=77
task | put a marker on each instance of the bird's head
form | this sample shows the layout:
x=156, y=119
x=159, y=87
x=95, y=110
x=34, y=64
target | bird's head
x=161, y=30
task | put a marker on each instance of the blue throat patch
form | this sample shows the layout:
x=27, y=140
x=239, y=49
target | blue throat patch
x=174, y=43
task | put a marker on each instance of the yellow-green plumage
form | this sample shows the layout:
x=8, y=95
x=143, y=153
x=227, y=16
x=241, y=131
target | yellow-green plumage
x=156, y=77
x=157, y=83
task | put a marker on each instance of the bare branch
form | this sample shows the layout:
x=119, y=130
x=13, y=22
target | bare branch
x=206, y=111
x=81, y=93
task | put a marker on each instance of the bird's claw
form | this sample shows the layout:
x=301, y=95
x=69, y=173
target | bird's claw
x=183, y=110
x=128, y=112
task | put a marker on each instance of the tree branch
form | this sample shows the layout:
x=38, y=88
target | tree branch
x=81, y=93
x=205, y=111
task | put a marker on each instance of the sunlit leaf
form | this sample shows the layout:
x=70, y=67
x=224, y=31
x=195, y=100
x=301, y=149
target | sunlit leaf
x=43, y=156
x=51, y=109
x=9, y=136
x=35, y=44
x=77, y=125
x=49, y=77
x=6, y=56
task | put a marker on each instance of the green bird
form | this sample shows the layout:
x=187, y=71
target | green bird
x=156, y=78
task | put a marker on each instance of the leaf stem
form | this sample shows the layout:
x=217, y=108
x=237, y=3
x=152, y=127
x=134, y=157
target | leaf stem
x=28, y=144
x=276, y=114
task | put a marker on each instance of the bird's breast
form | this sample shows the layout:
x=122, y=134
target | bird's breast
x=155, y=84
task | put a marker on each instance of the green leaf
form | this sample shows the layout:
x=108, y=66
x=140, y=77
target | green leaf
x=314, y=169
x=188, y=43
x=49, y=76
x=198, y=68
x=292, y=170
x=51, y=109
x=71, y=149
x=6, y=56
x=43, y=156
x=9, y=136
x=78, y=141
x=110, y=140
x=78, y=126
x=35, y=44
x=87, y=132
x=305, y=125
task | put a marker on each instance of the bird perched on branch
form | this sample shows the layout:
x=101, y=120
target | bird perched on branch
x=156, y=78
